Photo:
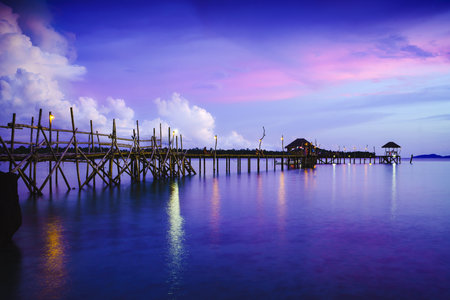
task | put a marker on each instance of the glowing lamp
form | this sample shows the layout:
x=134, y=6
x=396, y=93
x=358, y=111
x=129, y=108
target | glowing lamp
x=215, y=137
x=51, y=117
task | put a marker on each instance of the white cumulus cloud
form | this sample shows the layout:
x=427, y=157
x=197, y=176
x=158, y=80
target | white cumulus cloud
x=32, y=72
x=194, y=122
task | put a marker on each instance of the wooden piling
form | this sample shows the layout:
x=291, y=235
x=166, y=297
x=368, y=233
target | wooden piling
x=138, y=159
x=13, y=130
x=37, y=140
x=31, y=144
x=50, y=183
x=76, y=147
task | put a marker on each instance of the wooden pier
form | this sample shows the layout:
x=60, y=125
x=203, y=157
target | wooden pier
x=108, y=157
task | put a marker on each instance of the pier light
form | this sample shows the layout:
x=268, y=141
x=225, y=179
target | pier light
x=215, y=137
x=51, y=117
x=282, y=138
x=173, y=133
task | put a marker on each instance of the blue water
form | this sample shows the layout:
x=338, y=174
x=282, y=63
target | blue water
x=341, y=231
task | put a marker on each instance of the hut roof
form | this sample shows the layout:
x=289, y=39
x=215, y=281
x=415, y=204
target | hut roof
x=297, y=143
x=391, y=145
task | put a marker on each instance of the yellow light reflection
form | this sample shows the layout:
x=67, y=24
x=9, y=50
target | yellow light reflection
x=215, y=208
x=175, y=237
x=394, y=192
x=281, y=204
x=333, y=186
x=55, y=273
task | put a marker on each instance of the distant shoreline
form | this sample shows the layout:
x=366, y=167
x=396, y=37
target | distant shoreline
x=433, y=156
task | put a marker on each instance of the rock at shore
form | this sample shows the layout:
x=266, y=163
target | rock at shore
x=10, y=214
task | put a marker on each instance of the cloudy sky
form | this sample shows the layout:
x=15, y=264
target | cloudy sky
x=342, y=73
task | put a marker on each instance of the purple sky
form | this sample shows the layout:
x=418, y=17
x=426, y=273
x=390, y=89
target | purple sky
x=352, y=74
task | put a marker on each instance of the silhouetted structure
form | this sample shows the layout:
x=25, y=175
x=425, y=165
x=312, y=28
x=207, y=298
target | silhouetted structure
x=298, y=145
x=10, y=214
x=391, y=153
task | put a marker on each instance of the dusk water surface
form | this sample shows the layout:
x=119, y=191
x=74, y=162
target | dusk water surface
x=340, y=231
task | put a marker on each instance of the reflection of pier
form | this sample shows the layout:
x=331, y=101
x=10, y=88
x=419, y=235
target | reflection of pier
x=108, y=157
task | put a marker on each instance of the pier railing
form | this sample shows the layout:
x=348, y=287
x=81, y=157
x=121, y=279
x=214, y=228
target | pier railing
x=108, y=157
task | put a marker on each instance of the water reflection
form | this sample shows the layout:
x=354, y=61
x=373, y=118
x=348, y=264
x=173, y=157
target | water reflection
x=55, y=274
x=281, y=204
x=333, y=186
x=215, y=209
x=394, y=192
x=175, y=238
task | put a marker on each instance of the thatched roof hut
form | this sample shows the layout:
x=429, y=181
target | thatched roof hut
x=391, y=145
x=298, y=144
x=391, y=149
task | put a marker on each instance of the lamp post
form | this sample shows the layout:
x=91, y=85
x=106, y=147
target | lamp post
x=50, y=119
x=173, y=137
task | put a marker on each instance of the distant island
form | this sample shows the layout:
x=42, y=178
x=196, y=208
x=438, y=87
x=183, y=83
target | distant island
x=431, y=156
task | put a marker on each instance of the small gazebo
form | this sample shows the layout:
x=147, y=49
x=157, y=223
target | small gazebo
x=298, y=145
x=391, y=149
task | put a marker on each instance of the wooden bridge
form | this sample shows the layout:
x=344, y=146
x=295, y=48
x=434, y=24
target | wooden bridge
x=108, y=157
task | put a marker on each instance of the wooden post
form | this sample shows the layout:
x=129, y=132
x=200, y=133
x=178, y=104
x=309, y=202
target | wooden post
x=100, y=150
x=282, y=153
x=249, y=165
x=13, y=128
x=160, y=135
x=50, y=116
x=204, y=165
x=57, y=152
x=37, y=141
x=76, y=147
x=258, y=163
x=214, y=161
x=31, y=141
x=92, y=143
x=138, y=166
x=199, y=165
x=267, y=164
x=112, y=153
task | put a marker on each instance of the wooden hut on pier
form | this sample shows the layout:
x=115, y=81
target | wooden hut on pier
x=391, y=153
x=306, y=149
x=298, y=145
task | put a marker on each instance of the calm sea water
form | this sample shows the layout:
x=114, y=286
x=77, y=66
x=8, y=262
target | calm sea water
x=339, y=231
